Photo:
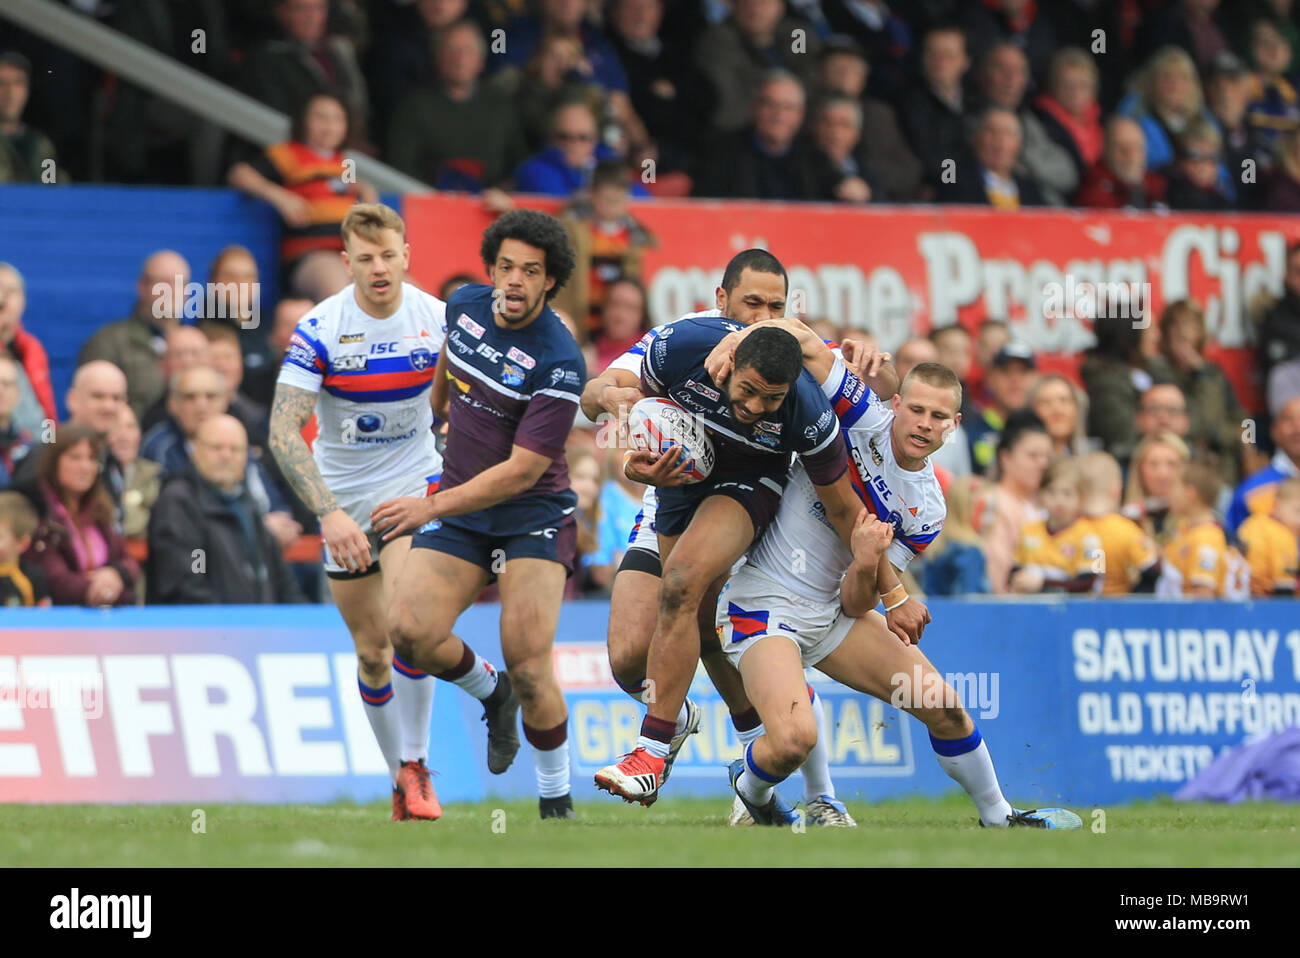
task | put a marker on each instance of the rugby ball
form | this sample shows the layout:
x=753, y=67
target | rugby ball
x=654, y=424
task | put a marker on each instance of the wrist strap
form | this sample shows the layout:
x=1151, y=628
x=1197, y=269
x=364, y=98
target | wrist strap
x=891, y=608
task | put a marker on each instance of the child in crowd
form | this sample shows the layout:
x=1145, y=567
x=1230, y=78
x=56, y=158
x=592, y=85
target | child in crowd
x=1129, y=559
x=1059, y=553
x=1198, y=560
x=1271, y=543
x=20, y=584
x=954, y=563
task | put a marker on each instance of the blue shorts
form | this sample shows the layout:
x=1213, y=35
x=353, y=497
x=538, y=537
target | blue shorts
x=513, y=530
x=758, y=492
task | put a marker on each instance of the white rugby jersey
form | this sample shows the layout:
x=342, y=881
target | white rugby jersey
x=373, y=379
x=801, y=549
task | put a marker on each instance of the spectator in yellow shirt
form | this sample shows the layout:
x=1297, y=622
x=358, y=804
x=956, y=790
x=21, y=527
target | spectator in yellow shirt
x=1272, y=543
x=1198, y=560
x=1130, y=563
x=1059, y=553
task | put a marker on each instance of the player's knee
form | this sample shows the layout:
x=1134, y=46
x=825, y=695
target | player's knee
x=791, y=743
x=374, y=657
x=680, y=589
x=627, y=663
x=408, y=634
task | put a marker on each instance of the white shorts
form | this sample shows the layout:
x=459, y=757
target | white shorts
x=359, y=504
x=643, y=534
x=753, y=605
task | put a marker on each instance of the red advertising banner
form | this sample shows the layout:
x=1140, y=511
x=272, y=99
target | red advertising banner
x=896, y=271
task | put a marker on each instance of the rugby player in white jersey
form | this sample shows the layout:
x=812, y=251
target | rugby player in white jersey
x=778, y=617
x=754, y=287
x=363, y=361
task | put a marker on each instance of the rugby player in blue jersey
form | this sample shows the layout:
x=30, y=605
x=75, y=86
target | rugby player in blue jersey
x=504, y=510
x=766, y=409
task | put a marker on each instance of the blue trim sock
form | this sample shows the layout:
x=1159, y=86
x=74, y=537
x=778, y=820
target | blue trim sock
x=968, y=762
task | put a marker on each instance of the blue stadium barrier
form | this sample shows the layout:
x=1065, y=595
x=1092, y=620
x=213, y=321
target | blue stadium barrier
x=1081, y=703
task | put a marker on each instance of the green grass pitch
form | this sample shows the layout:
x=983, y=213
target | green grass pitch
x=675, y=832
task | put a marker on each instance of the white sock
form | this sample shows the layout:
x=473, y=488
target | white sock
x=481, y=679
x=816, y=768
x=750, y=736
x=652, y=745
x=972, y=769
x=413, y=693
x=758, y=791
x=385, y=722
x=552, y=764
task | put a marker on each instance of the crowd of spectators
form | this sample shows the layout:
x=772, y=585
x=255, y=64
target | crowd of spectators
x=1185, y=104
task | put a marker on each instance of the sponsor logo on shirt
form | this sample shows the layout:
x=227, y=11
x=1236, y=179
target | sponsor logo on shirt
x=350, y=364
x=703, y=390
x=300, y=354
x=352, y=338
x=378, y=349
x=572, y=378
x=773, y=427
x=492, y=355
x=876, y=457
x=515, y=354
x=766, y=439
x=471, y=327
x=854, y=388
x=512, y=375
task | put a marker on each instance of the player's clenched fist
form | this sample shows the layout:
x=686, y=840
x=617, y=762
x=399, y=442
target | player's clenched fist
x=347, y=544
x=908, y=621
x=871, y=537
x=396, y=516
x=657, y=470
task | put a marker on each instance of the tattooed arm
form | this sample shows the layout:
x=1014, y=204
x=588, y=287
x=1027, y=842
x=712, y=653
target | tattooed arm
x=290, y=411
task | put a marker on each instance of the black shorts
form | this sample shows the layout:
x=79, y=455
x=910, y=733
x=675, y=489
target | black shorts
x=758, y=492
x=556, y=541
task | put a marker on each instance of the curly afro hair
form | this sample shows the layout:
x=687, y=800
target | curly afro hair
x=536, y=229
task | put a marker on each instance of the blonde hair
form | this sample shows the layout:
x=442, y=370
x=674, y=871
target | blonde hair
x=958, y=524
x=368, y=220
x=1069, y=58
x=1167, y=57
x=1133, y=491
x=1099, y=473
x=1079, y=441
x=17, y=513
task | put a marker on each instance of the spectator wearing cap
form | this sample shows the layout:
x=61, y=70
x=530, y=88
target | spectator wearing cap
x=23, y=150
x=1121, y=180
x=1003, y=82
x=35, y=392
x=931, y=112
x=771, y=160
x=136, y=344
x=736, y=54
x=881, y=147
x=1009, y=380
x=992, y=179
x=1228, y=93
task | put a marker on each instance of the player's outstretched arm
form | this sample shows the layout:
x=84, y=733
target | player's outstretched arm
x=817, y=356
x=515, y=475
x=873, y=367
x=613, y=392
x=290, y=411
